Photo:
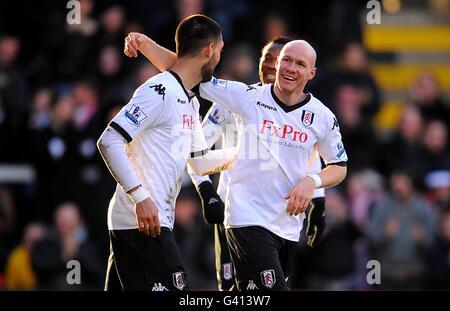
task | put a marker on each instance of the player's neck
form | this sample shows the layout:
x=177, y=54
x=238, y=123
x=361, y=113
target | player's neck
x=188, y=72
x=289, y=98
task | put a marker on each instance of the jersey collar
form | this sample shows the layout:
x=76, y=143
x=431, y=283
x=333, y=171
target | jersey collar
x=177, y=77
x=285, y=107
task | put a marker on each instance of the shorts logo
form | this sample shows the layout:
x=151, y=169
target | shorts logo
x=135, y=115
x=268, y=278
x=307, y=117
x=227, y=271
x=178, y=280
x=158, y=287
x=219, y=82
x=251, y=285
x=215, y=117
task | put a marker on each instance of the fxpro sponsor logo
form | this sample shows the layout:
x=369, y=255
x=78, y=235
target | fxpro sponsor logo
x=285, y=131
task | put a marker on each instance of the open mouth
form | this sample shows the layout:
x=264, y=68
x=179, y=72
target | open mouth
x=288, y=78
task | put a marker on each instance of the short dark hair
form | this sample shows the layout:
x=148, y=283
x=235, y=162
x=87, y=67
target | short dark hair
x=194, y=33
x=280, y=40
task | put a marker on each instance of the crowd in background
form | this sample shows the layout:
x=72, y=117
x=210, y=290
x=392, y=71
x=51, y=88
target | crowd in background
x=60, y=84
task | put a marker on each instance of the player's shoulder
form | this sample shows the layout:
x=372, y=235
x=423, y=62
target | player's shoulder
x=164, y=78
x=160, y=85
x=319, y=107
x=236, y=85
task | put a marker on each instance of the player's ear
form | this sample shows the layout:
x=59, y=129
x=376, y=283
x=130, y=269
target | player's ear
x=312, y=73
x=208, y=50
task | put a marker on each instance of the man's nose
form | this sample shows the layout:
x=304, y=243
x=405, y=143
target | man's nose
x=292, y=67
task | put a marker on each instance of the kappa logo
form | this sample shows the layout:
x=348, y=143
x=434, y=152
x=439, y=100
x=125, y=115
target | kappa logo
x=268, y=278
x=250, y=88
x=160, y=89
x=258, y=103
x=307, y=117
x=135, y=115
x=179, y=280
x=251, y=285
x=335, y=124
x=227, y=271
x=158, y=287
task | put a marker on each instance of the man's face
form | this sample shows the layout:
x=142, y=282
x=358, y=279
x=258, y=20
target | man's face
x=267, y=70
x=210, y=66
x=295, y=67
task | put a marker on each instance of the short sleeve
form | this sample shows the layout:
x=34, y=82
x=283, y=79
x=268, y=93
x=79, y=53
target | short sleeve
x=144, y=110
x=233, y=96
x=330, y=143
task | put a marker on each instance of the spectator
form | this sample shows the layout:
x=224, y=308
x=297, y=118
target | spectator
x=13, y=100
x=438, y=264
x=19, y=274
x=426, y=94
x=402, y=230
x=403, y=150
x=438, y=185
x=69, y=240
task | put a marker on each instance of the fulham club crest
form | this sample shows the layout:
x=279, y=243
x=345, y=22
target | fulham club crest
x=227, y=271
x=307, y=117
x=268, y=278
x=178, y=280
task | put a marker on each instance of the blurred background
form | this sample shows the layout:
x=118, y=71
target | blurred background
x=388, y=84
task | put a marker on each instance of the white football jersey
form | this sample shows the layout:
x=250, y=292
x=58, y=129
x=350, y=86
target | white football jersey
x=162, y=127
x=278, y=147
x=221, y=122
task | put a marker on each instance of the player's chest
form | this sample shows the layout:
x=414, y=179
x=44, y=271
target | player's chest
x=183, y=113
x=298, y=127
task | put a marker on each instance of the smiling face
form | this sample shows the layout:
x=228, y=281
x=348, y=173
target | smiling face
x=295, y=66
x=267, y=70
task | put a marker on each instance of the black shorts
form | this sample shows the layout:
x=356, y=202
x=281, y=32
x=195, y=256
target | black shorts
x=224, y=265
x=140, y=262
x=262, y=260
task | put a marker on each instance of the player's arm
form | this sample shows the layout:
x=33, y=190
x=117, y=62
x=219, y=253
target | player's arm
x=142, y=111
x=214, y=124
x=162, y=58
x=206, y=162
x=233, y=95
x=332, y=151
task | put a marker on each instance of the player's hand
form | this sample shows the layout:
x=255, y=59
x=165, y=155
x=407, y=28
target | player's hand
x=133, y=43
x=212, y=205
x=314, y=223
x=147, y=217
x=300, y=197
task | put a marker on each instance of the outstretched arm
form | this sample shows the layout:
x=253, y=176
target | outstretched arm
x=158, y=55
